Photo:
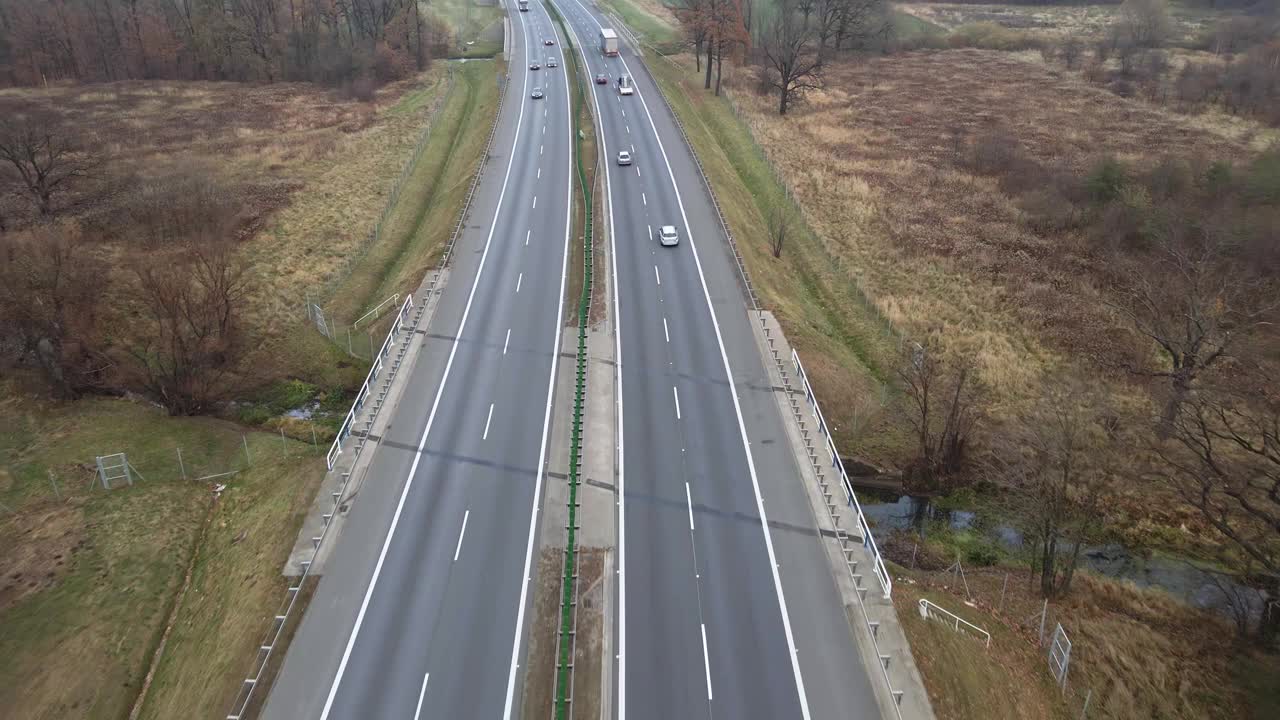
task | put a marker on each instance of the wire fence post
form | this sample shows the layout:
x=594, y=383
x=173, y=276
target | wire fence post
x=1043, y=612
x=1087, y=697
x=53, y=481
x=247, y=458
x=314, y=444
x=181, y=466
x=1002, y=589
x=284, y=446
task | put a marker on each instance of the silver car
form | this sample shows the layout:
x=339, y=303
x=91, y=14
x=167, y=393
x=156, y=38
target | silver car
x=551, y=62
x=624, y=158
x=668, y=236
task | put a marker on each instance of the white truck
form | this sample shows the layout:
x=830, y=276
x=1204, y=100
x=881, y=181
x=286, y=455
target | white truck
x=524, y=5
x=609, y=42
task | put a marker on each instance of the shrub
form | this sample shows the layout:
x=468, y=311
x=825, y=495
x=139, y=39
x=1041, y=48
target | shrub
x=1262, y=183
x=1047, y=210
x=1106, y=179
x=990, y=36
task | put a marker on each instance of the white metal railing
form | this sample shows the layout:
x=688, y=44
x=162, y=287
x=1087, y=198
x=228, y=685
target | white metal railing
x=379, y=361
x=929, y=609
x=377, y=310
x=869, y=542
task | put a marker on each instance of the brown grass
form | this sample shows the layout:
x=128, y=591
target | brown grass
x=309, y=170
x=874, y=163
x=1142, y=653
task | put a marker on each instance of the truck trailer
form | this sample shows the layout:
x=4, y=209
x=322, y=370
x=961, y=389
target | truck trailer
x=609, y=42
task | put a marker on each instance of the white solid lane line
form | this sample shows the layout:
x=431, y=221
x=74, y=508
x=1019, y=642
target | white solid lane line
x=656, y=276
x=546, y=433
x=462, y=533
x=486, y=423
x=675, y=392
x=431, y=416
x=706, y=661
x=742, y=431
x=687, y=496
x=519, y=280
x=664, y=330
x=506, y=342
x=421, y=694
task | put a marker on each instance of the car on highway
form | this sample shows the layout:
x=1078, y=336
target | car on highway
x=667, y=236
x=624, y=85
x=548, y=42
x=535, y=66
x=536, y=94
x=551, y=62
x=602, y=79
x=624, y=157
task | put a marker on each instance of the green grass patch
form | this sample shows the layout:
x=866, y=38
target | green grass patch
x=88, y=577
x=845, y=348
x=420, y=223
x=650, y=28
x=909, y=27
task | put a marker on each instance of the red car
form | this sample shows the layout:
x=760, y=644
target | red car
x=602, y=79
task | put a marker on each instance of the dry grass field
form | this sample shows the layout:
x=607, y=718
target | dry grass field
x=90, y=579
x=1140, y=653
x=1050, y=20
x=875, y=161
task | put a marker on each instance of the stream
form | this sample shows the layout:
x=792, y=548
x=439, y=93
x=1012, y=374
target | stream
x=1177, y=577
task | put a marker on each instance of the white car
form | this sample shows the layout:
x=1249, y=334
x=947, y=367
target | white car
x=668, y=236
x=551, y=62
x=624, y=158
x=624, y=85
x=536, y=94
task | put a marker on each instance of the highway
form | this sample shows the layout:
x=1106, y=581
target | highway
x=423, y=609
x=724, y=610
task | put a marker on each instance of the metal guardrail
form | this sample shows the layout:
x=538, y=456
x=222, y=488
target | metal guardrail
x=869, y=542
x=244, y=694
x=377, y=311
x=379, y=362
x=929, y=609
x=382, y=360
x=878, y=566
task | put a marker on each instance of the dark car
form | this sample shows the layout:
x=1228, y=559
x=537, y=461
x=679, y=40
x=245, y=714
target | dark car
x=548, y=42
x=602, y=79
x=535, y=66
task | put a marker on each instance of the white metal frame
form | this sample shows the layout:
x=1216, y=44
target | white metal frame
x=929, y=609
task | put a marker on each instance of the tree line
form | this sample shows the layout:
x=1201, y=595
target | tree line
x=790, y=48
x=326, y=41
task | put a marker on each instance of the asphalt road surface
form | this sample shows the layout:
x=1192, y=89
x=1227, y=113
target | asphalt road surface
x=727, y=607
x=422, y=611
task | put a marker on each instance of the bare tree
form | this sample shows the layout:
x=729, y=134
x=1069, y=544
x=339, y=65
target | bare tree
x=794, y=66
x=1223, y=459
x=49, y=289
x=1057, y=460
x=192, y=337
x=777, y=231
x=944, y=408
x=1194, y=305
x=45, y=159
x=1145, y=22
